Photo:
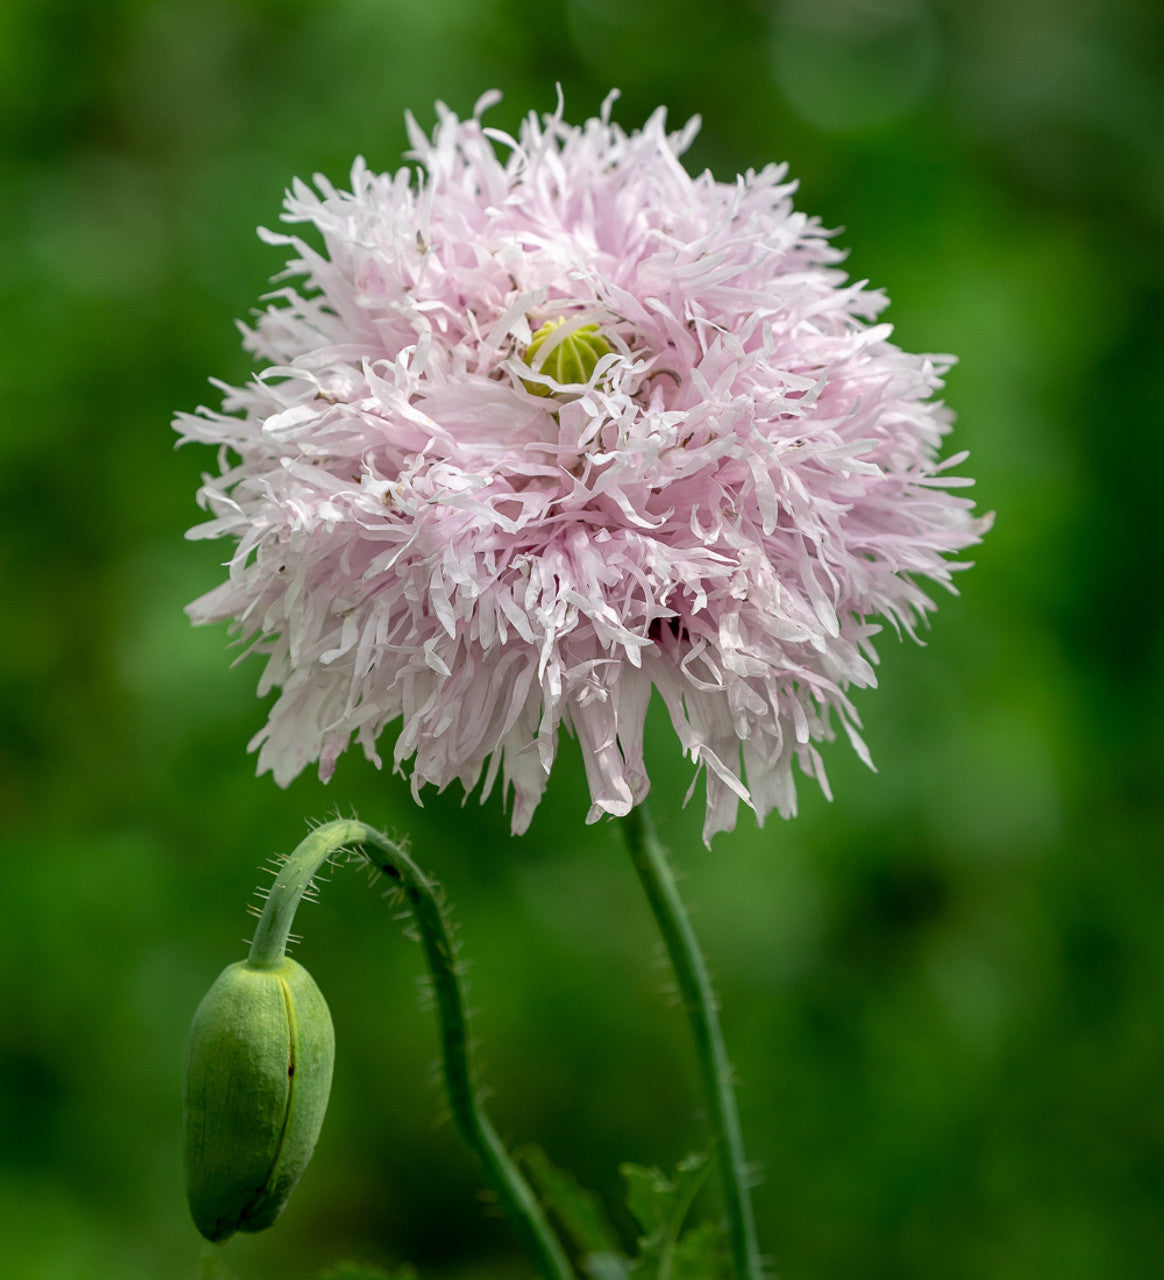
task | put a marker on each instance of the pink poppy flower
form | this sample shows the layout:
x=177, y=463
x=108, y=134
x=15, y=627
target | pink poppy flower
x=550, y=424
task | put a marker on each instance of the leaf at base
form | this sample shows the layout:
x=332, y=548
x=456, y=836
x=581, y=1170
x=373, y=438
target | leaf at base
x=579, y=1212
x=700, y=1254
x=660, y=1206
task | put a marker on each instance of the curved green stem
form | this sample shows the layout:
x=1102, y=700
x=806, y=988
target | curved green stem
x=424, y=899
x=269, y=945
x=694, y=982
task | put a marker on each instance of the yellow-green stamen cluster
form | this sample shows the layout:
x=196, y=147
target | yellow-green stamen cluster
x=572, y=360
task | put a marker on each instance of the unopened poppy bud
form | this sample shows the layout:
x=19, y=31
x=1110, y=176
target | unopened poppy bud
x=571, y=360
x=258, y=1074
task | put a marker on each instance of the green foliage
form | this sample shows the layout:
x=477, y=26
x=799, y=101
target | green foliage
x=667, y=1248
x=577, y=1211
x=660, y=1206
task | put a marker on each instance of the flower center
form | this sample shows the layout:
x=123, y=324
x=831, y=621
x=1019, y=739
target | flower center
x=571, y=359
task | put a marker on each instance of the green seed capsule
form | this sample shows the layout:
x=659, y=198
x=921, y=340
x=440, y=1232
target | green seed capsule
x=571, y=360
x=258, y=1074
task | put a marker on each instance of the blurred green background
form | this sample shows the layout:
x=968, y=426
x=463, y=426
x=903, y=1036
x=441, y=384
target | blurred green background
x=944, y=992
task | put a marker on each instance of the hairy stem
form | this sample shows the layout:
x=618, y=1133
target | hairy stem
x=423, y=895
x=694, y=982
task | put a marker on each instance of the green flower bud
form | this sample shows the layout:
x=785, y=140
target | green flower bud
x=571, y=360
x=258, y=1074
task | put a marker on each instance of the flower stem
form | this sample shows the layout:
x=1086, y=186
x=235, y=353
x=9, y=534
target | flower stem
x=424, y=898
x=694, y=982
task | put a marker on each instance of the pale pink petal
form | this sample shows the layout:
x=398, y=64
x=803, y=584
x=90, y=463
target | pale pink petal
x=722, y=512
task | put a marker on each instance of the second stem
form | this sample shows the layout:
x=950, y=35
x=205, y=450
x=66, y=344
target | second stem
x=694, y=983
